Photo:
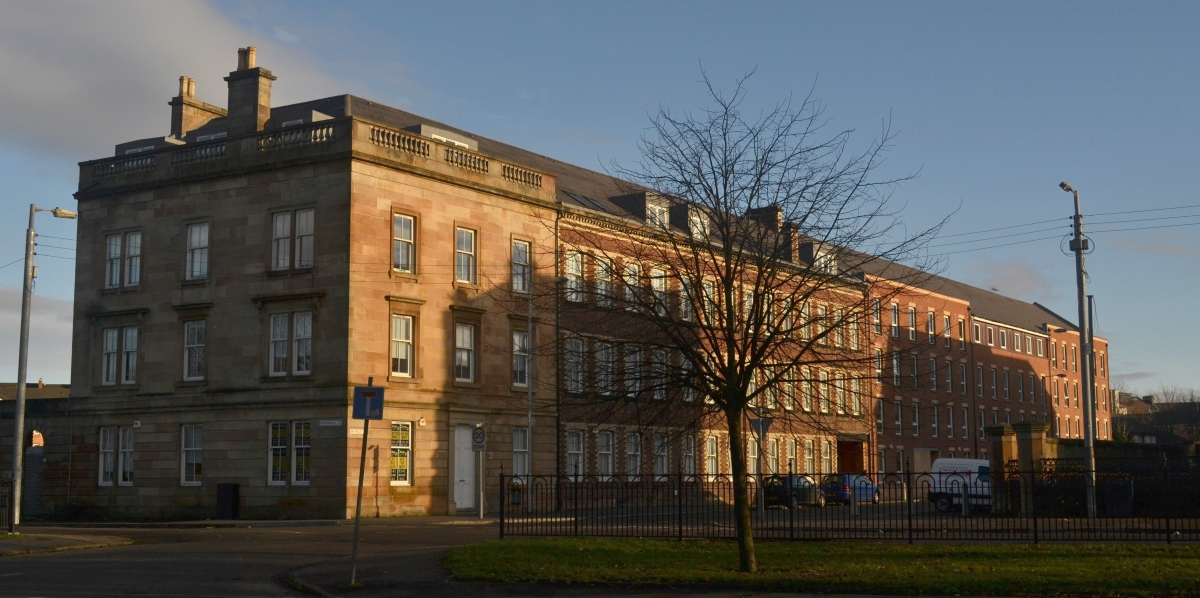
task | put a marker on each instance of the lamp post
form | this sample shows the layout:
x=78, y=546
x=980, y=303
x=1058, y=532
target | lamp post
x=1079, y=245
x=23, y=366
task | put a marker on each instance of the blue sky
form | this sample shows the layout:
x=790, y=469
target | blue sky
x=994, y=105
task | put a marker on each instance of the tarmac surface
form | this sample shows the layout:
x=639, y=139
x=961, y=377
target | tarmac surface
x=397, y=557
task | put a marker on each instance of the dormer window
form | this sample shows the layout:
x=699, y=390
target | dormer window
x=658, y=215
x=697, y=223
x=825, y=263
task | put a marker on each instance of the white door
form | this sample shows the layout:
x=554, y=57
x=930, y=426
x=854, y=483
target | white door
x=464, y=468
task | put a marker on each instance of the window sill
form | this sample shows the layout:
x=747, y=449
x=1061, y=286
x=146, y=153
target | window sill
x=406, y=276
x=114, y=388
x=469, y=286
x=191, y=383
x=120, y=290
x=198, y=282
x=464, y=384
x=404, y=381
x=289, y=272
x=292, y=378
x=190, y=484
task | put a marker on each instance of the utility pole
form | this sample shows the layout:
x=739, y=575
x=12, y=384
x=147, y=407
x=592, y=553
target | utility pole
x=1080, y=245
x=18, y=467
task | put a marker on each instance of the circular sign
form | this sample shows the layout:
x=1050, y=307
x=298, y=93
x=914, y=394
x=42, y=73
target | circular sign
x=477, y=436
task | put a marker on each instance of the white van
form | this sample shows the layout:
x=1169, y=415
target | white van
x=948, y=477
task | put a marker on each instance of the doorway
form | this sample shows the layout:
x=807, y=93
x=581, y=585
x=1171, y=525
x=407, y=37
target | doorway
x=850, y=456
x=464, y=468
x=923, y=460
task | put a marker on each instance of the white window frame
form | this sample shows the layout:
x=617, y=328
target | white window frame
x=712, y=461
x=573, y=266
x=662, y=457
x=194, y=351
x=521, y=361
x=575, y=465
x=604, y=282
x=191, y=454
x=604, y=455
x=278, y=467
x=605, y=368
x=404, y=247
x=129, y=354
x=631, y=279
x=106, y=470
x=521, y=465
x=573, y=356
x=522, y=266
x=133, y=259
x=465, y=251
x=400, y=448
x=464, y=352
x=401, y=347
x=633, y=456
x=112, y=261
x=197, y=263
x=110, y=356
x=301, y=453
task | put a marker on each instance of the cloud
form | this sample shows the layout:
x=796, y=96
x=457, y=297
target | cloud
x=1015, y=279
x=49, y=337
x=1134, y=376
x=80, y=77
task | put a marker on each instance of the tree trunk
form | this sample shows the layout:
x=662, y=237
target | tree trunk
x=741, y=494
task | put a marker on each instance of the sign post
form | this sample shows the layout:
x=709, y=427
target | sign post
x=368, y=405
x=760, y=427
x=479, y=445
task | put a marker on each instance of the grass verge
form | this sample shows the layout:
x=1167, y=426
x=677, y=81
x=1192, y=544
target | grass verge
x=968, y=569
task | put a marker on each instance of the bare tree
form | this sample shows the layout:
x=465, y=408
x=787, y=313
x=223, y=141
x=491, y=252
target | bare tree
x=767, y=248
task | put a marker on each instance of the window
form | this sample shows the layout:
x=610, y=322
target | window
x=975, y=332
x=962, y=335
x=950, y=421
x=791, y=456
x=197, y=251
x=464, y=352
x=806, y=394
x=574, y=271
x=993, y=385
x=604, y=282
x=633, y=369
x=839, y=387
x=1021, y=388
x=946, y=330
x=662, y=457
x=464, y=255
x=895, y=321
x=575, y=454
x=916, y=372
x=112, y=261
x=822, y=325
x=1016, y=342
x=191, y=459
x=1040, y=348
x=401, y=445
x=660, y=380
x=962, y=379
x=773, y=456
x=933, y=369
x=686, y=310
x=949, y=377
x=912, y=323
x=107, y=467
x=853, y=332
x=876, y=317
x=129, y=347
x=574, y=365
x=933, y=420
x=1042, y=386
x=991, y=336
x=633, y=455
x=520, y=358
x=278, y=453
x=805, y=322
x=856, y=394
x=809, y=457
x=709, y=300
x=1003, y=339
x=604, y=455
x=114, y=265
x=827, y=457
x=193, y=350
x=966, y=424
x=896, y=369
x=839, y=339
x=521, y=267
x=916, y=419
x=109, y=368
x=658, y=215
x=300, y=330
x=1007, y=395
x=753, y=466
x=301, y=453
x=979, y=380
x=631, y=286
x=404, y=248
x=604, y=368
x=823, y=391
x=658, y=289
x=521, y=452
x=712, y=465
x=1053, y=355
x=402, y=346
x=879, y=416
x=1074, y=358
x=931, y=328
x=879, y=365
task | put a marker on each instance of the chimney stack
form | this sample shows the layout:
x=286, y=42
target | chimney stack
x=249, y=95
x=188, y=113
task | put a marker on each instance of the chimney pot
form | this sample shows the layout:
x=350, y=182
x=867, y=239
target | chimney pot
x=251, y=53
x=243, y=58
x=183, y=84
x=191, y=91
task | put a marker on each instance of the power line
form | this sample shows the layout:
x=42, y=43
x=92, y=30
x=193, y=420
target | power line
x=1040, y=230
x=1176, y=217
x=995, y=246
x=990, y=230
x=53, y=237
x=1146, y=210
x=11, y=263
x=55, y=247
x=1116, y=230
x=57, y=256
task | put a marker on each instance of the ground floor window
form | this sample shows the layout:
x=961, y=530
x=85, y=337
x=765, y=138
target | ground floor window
x=191, y=459
x=575, y=453
x=401, y=446
x=520, y=452
x=289, y=453
x=116, y=456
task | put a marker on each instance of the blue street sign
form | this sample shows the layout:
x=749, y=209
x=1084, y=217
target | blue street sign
x=368, y=402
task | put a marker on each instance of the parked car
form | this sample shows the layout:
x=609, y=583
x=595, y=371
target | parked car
x=792, y=491
x=947, y=478
x=838, y=488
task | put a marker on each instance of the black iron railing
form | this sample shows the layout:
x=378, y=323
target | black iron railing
x=1013, y=506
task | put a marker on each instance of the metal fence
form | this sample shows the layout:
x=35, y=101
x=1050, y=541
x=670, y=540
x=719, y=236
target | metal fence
x=1012, y=506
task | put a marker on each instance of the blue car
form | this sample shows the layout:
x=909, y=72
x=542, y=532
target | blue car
x=837, y=488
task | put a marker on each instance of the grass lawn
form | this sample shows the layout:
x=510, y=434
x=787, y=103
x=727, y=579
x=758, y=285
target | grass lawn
x=969, y=569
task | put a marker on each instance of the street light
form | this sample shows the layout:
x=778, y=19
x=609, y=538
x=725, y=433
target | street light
x=1079, y=245
x=23, y=366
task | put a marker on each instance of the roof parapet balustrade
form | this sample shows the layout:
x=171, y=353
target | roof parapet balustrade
x=399, y=141
x=466, y=160
x=517, y=174
x=194, y=155
x=291, y=137
x=124, y=165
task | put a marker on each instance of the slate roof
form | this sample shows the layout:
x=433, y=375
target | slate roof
x=580, y=187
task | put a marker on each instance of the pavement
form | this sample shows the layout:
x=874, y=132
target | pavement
x=398, y=557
